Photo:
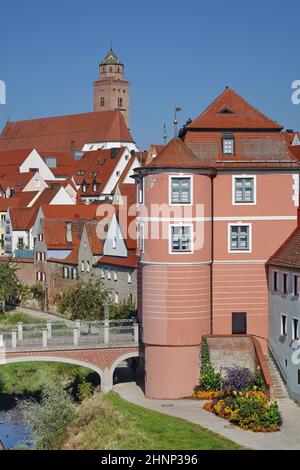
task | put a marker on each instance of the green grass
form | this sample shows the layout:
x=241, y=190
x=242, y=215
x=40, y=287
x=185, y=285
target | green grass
x=109, y=422
x=12, y=318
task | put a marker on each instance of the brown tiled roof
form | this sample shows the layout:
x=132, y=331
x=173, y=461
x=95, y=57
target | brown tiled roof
x=55, y=232
x=176, y=155
x=96, y=244
x=230, y=111
x=288, y=255
x=130, y=261
x=62, y=211
x=22, y=218
x=251, y=149
x=15, y=181
x=21, y=199
x=63, y=133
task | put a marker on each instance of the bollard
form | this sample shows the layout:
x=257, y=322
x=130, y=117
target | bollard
x=75, y=336
x=14, y=339
x=20, y=331
x=1, y=341
x=106, y=331
x=45, y=338
x=78, y=326
x=49, y=329
x=136, y=332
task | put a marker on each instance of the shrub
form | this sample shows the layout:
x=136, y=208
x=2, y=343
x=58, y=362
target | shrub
x=238, y=378
x=85, y=391
x=49, y=418
x=38, y=294
x=125, y=309
x=209, y=379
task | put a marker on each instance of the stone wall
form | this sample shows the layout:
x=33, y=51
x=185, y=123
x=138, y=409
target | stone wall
x=230, y=351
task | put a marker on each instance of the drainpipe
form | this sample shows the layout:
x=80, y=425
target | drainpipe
x=212, y=254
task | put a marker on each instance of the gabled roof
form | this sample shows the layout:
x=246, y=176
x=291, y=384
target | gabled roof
x=65, y=133
x=55, y=232
x=21, y=199
x=230, y=111
x=62, y=211
x=22, y=218
x=130, y=261
x=15, y=181
x=288, y=255
x=96, y=243
x=175, y=155
x=13, y=158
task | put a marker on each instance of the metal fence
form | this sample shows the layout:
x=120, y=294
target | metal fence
x=68, y=334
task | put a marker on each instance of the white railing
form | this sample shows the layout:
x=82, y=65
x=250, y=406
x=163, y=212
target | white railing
x=68, y=334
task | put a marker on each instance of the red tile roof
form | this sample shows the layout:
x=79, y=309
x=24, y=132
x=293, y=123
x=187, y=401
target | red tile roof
x=18, y=200
x=63, y=133
x=230, y=111
x=96, y=244
x=15, y=181
x=130, y=261
x=55, y=232
x=62, y=211
x=288, y=255
x=22, y=218
x=176, y=155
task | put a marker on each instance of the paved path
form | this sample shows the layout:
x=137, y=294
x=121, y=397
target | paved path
x=41, y=315
x=191, y=410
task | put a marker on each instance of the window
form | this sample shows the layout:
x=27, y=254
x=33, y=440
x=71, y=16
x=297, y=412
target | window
x=84, y=187
x=239, y=323
x=88, y=267
x=102, y=274
x=295, y=286
x=114, y=242
x=102, y=102
x=120, y=102
x=295, y=328
x=95, y=187
x=141, y=191
x=50, y=162
x=40, y=237
x=75, y=273
x=65, y=272
x=37, y=182
x=129, y=278
x=82, y=266
x=43, y=256
x=116, y=297
x=181, y=239
x=115, y=276
x=40, y=276
x=181, y=190
x=244, y=190
x=284, y=283
x=228, y=145
x=109, y=275
x=283, y=325
x=20, y=243
x=275, y=281
x=239, y=238
x=142, y=238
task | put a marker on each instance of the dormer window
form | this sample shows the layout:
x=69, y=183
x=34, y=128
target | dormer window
x=95, y=187
x=228, y=144
x=84, y=187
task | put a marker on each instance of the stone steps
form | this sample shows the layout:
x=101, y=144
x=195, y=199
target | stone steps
x=278, y=384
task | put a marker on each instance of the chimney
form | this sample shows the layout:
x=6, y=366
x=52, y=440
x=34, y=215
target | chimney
x=69, y=232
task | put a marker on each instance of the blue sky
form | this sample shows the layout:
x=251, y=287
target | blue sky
x=174, y=52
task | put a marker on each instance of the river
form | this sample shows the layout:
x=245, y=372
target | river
x=13, y=431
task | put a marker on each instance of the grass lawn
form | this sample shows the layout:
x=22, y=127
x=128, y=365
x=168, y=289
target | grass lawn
x=109, y=422
x=14, y=317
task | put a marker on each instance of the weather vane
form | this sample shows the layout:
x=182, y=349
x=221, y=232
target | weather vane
x=175, y=120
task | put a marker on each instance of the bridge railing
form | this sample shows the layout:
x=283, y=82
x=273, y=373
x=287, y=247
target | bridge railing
x=69, y=334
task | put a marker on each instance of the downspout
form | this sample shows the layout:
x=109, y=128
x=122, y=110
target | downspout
x=212, y=255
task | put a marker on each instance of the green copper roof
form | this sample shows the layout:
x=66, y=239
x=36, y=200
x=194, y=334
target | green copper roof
x=111, y=58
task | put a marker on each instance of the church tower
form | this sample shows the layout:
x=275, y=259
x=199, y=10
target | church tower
x=111, y=91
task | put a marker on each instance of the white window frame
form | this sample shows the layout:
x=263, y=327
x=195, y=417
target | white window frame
x=109, y=274
x=234, y=203
x=281, y=324
x=129, y=278
x=229, y=237
x=274, y=271
x=142, y=238
x=295, y=333
x=180, y=176
x=231, y=138
x=141, y=192
x=75, y=273
x=170, y=240
x=115, y=275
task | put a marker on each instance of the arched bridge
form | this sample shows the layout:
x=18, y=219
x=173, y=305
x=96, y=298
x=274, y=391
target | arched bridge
x=98, y=345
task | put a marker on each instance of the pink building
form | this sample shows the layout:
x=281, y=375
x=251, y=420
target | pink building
x=214, y=206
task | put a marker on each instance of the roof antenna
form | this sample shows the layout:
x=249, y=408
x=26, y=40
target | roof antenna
x=175, y=120
x=165, y=136
x=111, y=45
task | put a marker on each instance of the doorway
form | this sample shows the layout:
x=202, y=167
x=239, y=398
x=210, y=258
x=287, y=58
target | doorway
x=239, y=323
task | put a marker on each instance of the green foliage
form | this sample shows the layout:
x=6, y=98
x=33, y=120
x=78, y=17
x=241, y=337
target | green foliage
x=14, y=317
x=84, y=301
x=85, y=391
x=25, y=293
x=125, y=309
x=209, y=378
x=9, y=283
x=38, y=293
x=49, y=418
x=255, y=410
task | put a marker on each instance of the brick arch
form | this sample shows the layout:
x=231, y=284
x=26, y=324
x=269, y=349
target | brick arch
x=121, y=359
x=64, y=360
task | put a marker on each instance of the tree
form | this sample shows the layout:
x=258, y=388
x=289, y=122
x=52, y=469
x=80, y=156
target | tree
x=9, y=283
x=84, y=301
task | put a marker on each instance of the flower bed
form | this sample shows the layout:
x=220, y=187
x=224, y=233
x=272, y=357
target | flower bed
x=249, y=410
